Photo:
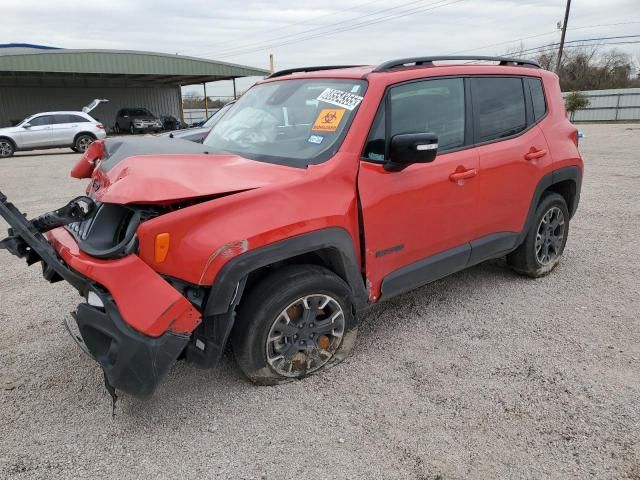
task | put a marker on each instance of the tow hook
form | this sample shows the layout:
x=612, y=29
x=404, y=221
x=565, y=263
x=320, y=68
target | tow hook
x=76, y=210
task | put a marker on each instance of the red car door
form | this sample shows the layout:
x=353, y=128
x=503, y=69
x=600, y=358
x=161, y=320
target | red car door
x=425, y=211
x=513, y=155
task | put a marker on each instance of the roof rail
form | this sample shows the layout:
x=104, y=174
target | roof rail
x=289, y=71
x=428, y=61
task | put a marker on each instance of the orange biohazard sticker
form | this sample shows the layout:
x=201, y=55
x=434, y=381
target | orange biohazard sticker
x=328, y=120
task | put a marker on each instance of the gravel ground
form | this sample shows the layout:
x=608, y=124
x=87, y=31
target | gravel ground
x=482, y=375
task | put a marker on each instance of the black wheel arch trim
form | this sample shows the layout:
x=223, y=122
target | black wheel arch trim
x=225, y=289
x=571, y=173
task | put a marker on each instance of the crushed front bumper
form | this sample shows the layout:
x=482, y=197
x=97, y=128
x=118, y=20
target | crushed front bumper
x=134, y=360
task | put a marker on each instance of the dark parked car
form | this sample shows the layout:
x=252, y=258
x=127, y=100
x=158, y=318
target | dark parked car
x=136, y=120
x=198, y=134
x=169, y=122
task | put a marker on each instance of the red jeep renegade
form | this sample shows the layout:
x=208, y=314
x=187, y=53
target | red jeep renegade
x=323, y=191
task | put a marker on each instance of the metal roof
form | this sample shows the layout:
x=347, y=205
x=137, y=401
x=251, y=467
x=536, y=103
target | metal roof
x=159, y=68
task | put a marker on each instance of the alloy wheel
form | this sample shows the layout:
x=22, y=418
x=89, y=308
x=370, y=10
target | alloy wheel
x=83, y=143
x=6, y=149
x=305, y=335
x=550, y=236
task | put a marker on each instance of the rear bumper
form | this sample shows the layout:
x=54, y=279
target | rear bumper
x=144, y=324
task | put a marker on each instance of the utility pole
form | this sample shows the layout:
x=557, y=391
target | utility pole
x=271, y=62
x=564, y=33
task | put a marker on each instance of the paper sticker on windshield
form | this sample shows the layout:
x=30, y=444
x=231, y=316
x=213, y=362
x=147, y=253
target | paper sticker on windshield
x=342, y=99
x=328, y=120
x=317, y=139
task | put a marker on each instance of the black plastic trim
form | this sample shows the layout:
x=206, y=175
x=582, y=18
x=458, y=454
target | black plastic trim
x=413, y=62
x=492, y=246
x=25, y=241
x=289, y=71
x=225, y=285
x=132, y=362
x=425, y=271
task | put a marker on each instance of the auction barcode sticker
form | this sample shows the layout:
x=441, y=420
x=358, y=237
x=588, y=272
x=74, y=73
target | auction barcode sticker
x=342, y=99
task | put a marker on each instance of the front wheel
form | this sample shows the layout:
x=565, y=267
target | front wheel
x=295, y=322
x=6, y=148
x=132, y=130
x=544, y=244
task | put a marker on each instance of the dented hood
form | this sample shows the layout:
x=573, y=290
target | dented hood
x=156, y=170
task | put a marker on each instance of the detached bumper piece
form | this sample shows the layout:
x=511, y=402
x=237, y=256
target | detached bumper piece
x=132, y=362
x=25, y=240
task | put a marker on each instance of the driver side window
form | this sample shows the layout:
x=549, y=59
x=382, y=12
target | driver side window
x=427, y=106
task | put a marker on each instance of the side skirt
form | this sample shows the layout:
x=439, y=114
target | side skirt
x=445, y=263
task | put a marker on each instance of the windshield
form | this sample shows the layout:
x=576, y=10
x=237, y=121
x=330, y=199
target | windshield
x=216, y=117
x=291, y=122
x=140, y=112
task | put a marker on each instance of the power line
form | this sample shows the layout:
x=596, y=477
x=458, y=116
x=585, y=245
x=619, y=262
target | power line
x=552, y=46
x=289, y=25
x=321, y=27
x=345, y=28
x=540, y=35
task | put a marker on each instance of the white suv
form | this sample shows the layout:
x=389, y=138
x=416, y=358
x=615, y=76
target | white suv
x=51, y=130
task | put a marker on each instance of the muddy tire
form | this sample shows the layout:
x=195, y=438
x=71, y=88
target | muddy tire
x=544, y=244
x=293, y=323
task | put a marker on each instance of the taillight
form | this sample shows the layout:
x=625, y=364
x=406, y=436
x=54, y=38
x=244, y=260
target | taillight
x=100, y=126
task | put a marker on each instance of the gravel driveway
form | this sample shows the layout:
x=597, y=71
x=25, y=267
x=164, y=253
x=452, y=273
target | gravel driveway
x=482, y=375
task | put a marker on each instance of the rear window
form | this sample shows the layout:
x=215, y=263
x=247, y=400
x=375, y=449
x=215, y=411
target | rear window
x=537, y=95
x=498, y=107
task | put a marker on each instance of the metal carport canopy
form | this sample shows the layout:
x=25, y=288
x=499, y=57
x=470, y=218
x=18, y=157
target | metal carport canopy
x=119, y=65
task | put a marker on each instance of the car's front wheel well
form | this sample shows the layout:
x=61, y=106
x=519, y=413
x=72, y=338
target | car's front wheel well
x=567, y=189
x=327, y=257
x=11, y=140
x=78, y=135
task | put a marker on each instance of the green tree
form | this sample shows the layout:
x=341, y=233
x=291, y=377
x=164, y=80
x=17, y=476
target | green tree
x=575, y=101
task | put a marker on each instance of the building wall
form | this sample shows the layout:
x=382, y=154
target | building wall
x=16, y=103
x=609, y=105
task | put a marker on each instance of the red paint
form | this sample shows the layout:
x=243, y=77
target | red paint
x=145, y=300
x=87, y=163
x=426, y=208
x=169, y=178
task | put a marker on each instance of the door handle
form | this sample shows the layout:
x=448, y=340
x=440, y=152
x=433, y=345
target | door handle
x=457, y=176
x=535, y=154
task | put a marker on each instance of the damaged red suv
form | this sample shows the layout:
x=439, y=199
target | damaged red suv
x=323, y=191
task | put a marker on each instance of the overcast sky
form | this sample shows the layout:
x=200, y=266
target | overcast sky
x=304, y=32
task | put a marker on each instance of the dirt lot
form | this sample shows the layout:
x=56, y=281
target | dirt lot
x=481, y=375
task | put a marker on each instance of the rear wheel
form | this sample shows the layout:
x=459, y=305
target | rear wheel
x=294, y=323
x=82, y=143
x=544, y=244
x=6, y=147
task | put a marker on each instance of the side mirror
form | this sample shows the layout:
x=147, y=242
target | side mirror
x=26, y=125
x=408, y=148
